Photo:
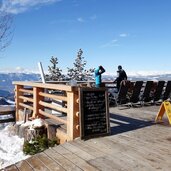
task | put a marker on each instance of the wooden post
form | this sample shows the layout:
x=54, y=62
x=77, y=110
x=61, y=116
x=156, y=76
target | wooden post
x=18, y=100
x=36, y=99
x=72, y=118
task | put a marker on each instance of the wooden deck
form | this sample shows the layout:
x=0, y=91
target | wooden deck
x=135, y=143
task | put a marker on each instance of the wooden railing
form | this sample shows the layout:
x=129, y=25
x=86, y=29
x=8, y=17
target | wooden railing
x=41, y=98
x=38, y=98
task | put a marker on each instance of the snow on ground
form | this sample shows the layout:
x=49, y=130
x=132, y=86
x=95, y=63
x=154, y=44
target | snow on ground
x=11, y=147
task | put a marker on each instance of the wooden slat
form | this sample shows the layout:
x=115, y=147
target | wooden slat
x=80, y=144
x=36, y=164
x=52, y=96
x=58, y=119
x=46, y=85
x=138, y=149
x=26, y=90
x=144, y=147
x=101, y=161
x=11, y=168
x=117, y=154
x=142, y=161
x=50, y=164
x=24, y=166
x=61, y=160
x=26, y=98
x=26, y=106
x=151, y=139
x=60, y=109
x=79, y=152
x=75, y=159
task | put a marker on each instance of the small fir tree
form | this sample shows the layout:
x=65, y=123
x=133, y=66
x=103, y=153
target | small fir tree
x=39, y=144
x=55, y=74
x=78, y=72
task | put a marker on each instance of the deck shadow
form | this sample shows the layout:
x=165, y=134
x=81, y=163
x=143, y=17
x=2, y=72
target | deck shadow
x=125, y=124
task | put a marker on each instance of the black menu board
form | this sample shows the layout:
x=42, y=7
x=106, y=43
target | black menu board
x=94, y=112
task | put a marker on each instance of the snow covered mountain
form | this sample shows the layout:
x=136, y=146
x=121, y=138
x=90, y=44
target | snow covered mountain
x=6, y=79
x=139, y=76
x=7, y=88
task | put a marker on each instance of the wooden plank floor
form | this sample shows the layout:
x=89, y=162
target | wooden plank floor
x=136, y=143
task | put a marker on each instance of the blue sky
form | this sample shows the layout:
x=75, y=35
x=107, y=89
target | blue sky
x=133, y=33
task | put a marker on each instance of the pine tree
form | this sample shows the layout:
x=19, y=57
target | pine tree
x=78, y=72
x=55, y=72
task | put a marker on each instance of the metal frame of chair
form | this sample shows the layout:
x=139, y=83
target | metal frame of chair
x=135, y=95
x=146, y=95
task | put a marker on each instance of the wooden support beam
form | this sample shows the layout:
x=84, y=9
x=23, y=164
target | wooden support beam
x=18, y=100
x=36, y=99
x=72, y=119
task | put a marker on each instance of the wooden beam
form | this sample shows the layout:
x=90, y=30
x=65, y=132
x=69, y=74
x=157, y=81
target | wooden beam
x=26, y=98
x=24, y=90
x=18, y=100
x=58, y=119
x=26, y=106
x=45, y=85
x=72, y=119
x=36, y=99
x=52, y=96
x=49, y=105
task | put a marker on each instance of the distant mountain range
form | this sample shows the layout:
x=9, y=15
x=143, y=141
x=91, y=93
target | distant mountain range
x=137, y=77
x=4, y=101
x=7, y=88
x=6, y=79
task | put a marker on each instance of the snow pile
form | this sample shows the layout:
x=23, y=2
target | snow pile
x=37, y=123
x=11, y=147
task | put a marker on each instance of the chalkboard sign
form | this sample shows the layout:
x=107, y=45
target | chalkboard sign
x=94, y=112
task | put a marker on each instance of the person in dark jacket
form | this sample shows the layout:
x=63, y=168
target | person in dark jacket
x=121, y=76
